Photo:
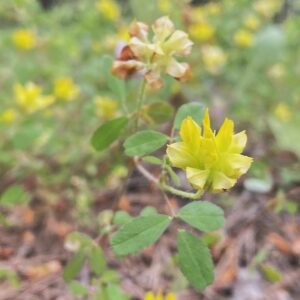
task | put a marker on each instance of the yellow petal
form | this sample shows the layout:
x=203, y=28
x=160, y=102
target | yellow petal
x=180, y=156
x=154, y=81
x=207, y=132
x=222, y=182
x=224, y=136
x=139, y=48
x=190, y=133
x=162, y=28
x=238, y=143
x=176, y=69
x=149, y=296
x=139, y=30
x=178, y=43
x=240, y=162
x=159, y=296
x=170, y=296
x=197, y=177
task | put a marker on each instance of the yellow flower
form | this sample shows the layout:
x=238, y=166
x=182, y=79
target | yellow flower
x=267, y=8
x=252, y=22
x=29, y=97
x=123, y=34
x=213, y=162
x=106, y=107
x=213, y=8
x=109, y=9
x=202, y=31
x=24, y=39
x=276, y=71
x=8, y=116
x=159, y=296
x=213, y=58
x=165, y=6
x=243, y=38
x=282, y=112
x=152, y=57
x=65, y=89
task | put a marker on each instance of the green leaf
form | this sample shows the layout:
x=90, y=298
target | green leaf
x=14, y=195
x=108, y=132
x=121, y=218
x=211, y=238
x=193, y=109
x=139, y=233
x=144, y=142
x=148, y=211
x=78, y=241
x=110, y=276
x=202, y=215
x=74, y=266
x=77, y=288
x=116, y=85
x=114, y=292
x=271, y=273
x=158, y=112
x=195, y=260
x=152, y=160
x=97, y=260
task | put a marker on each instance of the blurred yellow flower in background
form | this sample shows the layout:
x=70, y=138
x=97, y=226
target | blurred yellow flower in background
x=268, y=8
x=106, y=107
x=213, y=8
x=159, y=296
x=164, y=6
x=252, y=22
x=24, y=39
x=109, y=9
x=282, y=112
x=243, y=38
x=277, y=71
x=65, y=89
x=203, y=31
x=213, y=58
x=213, y=162
x=30, y=98
x=8, y=116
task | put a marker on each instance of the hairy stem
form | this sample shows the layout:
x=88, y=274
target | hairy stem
x=140, y=101
x=163, y=186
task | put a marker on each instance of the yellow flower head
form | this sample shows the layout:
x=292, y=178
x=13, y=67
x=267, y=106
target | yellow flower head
x=213, y=162
x=8, y=116
x=252, y=22
x=153, y=56
x=277, y=71
x=24, y=39
x=30, y=98
x=202, y=31
x=243, y=38
x=213, y=58
x=267, y=8
x=109, y=9
x=282, y=112
x=65, y=89
x=213, y=8
x=159, y=296
x=106, y=107
x=164, y=6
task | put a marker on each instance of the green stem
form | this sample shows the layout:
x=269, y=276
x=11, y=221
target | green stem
x=162, y=185
x=180, y=193
x=140, y=101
